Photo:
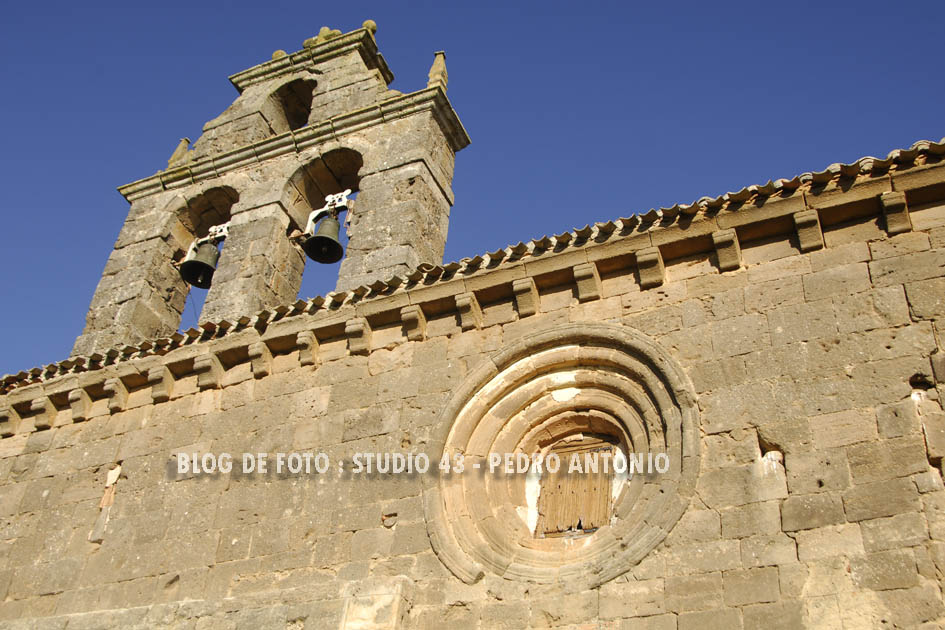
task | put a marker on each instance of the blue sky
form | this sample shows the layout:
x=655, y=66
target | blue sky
x=578, y=112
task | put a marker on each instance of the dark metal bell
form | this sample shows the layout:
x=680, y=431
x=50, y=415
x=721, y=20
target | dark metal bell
x=323, y=246
x=197, y=268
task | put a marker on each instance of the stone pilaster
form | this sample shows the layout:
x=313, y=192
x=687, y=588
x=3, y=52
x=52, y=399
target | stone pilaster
x=259, y=266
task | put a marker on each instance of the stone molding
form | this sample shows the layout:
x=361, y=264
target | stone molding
x=585, y=377
x=302, y=325
x=203, y=169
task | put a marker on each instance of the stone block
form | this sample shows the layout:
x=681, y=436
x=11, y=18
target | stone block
x=901, y=530
x=751, y=586
x=768, y=549
x=690, y=593
x=719, y=619
x=843, y=428
x=900, y=245
x=926, y=298
x=751, y=519
x=631, y=599
x=784, y=615
x=738, y=485
x=885, y=570
x=898, y=419
x=834, y=281
x=880, y=498
x=811, y=510
x=824, y=542
x=888, y=459
x=896, y=212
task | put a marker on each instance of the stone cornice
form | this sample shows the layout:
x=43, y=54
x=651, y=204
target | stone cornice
x=635, y=245
x=429, y=99
x=309, y=58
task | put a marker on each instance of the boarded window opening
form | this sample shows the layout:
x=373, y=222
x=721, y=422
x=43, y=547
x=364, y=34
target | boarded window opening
x=577, y=503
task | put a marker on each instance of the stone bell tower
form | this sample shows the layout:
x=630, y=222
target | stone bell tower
x=305, y=125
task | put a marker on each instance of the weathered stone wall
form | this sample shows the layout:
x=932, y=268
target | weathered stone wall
x=816, y=378
x=405, y=148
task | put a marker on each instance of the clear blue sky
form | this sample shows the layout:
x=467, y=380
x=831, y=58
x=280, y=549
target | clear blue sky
x=578, y=112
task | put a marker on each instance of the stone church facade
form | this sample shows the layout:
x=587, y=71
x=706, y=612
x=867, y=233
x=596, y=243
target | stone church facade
x=778, y=347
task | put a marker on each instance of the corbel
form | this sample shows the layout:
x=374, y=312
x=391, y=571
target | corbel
x=526, y=296
x=79, y=403
x=209, y=371
x=896, y=211
x=307, y=343
x=117, y=394
x=415, y=322
x=162, y=383
x=358, y=332
x=260, y=358
x=727, y=249
x=470, y=313
x=809, y=234
x=9, y=419
x=650, y=267
x=587, y=279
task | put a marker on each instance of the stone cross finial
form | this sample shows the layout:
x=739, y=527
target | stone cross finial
x=438, y=76
x=180, y=153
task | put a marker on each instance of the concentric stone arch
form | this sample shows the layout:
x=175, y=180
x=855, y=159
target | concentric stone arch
x=576, y=377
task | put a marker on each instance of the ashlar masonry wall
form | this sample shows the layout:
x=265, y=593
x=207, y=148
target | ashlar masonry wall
x=814, y=369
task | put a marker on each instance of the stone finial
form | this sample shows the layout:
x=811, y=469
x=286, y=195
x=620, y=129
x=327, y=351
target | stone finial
x=180, y=153
x=324, y=34
x=278, y=54
x=438, y=76
x=370, y=25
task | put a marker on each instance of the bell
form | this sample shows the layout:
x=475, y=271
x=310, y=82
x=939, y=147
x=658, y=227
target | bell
x=198, y=266
x=323, y=246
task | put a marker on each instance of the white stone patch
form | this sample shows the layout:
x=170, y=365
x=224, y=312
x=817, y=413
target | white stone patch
x=532, y=490
x=566, y=394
